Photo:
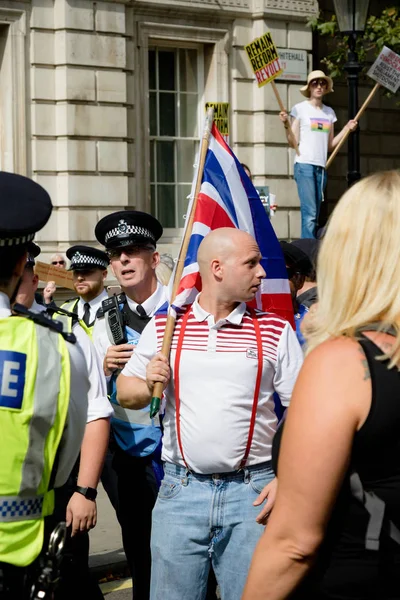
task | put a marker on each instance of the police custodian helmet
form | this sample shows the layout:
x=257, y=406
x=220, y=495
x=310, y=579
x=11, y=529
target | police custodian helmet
x=25, y=208
x=86, y=258
x=128, y=228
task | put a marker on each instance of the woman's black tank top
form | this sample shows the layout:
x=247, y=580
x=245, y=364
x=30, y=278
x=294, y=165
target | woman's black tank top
x=345, y=569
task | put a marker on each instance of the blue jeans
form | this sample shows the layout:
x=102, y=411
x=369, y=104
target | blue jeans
x=204, y=519
x=311, y=183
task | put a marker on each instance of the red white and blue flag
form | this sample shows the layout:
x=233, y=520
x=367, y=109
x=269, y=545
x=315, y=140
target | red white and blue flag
x=228, y=198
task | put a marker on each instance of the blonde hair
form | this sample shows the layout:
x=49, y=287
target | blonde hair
x=359, y=263
x=163, y=273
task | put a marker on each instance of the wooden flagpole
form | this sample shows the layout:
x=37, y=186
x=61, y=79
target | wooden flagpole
x=170, y=324
x=356, y=118
x=283, y=109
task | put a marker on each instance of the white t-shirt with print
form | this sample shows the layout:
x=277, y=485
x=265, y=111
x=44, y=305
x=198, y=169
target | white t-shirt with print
x=315, y=127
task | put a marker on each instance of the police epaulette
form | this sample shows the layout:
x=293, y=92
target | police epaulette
x=41, y=319
x=61, y=311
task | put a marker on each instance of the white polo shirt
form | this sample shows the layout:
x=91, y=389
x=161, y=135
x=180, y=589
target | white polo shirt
x=217, y=379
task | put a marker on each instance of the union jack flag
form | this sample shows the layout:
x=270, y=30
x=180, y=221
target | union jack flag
x=228, y=199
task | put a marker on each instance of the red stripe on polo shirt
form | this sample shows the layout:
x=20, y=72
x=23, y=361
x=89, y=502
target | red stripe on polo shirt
x=229, y=337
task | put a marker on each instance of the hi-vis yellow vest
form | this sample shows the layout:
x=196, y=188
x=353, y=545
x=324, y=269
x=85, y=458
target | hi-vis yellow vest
x=34, y=398
x=69, y=321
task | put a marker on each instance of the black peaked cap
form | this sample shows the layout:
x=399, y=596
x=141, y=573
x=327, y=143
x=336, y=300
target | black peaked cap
x=33, y=251
x=84, y=258
x=296, y=258
x=25, y=208
x=127, y=228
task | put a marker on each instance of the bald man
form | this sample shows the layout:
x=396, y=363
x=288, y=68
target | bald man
x=225, y=364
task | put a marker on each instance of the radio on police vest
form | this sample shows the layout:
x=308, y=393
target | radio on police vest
x=114, y=319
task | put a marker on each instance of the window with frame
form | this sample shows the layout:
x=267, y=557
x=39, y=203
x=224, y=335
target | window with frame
x=174, y=97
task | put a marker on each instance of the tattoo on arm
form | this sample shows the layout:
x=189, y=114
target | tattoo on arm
x=367, y=374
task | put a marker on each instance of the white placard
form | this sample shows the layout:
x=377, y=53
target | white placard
x=386, y=70
x=294, y=64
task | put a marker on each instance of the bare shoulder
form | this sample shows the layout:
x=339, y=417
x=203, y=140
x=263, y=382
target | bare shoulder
x=337, y=371
x=336, y=349
x=343, y=357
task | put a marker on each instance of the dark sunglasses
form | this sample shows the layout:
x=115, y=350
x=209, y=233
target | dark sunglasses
x=319, y=82
x=129, y=250
x=58, y=262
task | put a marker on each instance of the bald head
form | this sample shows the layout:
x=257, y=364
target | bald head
x=229, y=263
x=221, y=244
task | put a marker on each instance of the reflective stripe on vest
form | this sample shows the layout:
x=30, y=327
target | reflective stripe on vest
x=67, y=321
x=17, y=508
x=34, y=398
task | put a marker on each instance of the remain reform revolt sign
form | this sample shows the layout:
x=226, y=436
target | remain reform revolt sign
x=264, y=59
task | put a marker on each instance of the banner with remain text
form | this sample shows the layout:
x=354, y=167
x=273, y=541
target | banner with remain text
x=264, y=59
x=221, y=117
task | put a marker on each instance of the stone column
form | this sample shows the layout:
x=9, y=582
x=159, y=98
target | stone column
x=79, y=114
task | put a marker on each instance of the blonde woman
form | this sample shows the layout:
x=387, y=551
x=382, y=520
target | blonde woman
x=334, y=531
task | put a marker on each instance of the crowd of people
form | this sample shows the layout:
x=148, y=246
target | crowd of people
x=228, y=485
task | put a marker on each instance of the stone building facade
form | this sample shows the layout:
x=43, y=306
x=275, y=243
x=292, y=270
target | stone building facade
x=103, y=102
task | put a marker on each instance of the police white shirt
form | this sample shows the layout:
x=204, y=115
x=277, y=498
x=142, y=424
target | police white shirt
x=99, y=406
x=77, y=409
x=94, y=304
x=151, y=305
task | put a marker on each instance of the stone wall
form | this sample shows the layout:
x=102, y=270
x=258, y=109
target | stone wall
x=79, y=105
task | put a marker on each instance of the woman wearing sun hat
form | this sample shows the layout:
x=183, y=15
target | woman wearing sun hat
x=312, y=126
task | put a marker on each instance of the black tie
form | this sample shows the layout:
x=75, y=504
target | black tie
x=140, y=311
x=86, y=314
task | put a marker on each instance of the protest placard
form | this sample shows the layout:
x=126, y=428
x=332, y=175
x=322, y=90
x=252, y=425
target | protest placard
x=221, y=117
x=264, y=59
x=386, y=70
x=60, y=277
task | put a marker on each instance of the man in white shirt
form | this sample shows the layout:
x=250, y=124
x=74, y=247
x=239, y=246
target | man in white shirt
x=226, y=362
x=75, y=502
x=130, y=239
x=89, y=270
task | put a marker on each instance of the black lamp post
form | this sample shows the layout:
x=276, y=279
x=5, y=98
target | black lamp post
x=352, y=16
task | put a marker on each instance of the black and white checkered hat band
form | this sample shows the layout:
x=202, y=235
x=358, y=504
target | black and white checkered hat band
x=79, y=259
x=129, y=230
x=16, y=241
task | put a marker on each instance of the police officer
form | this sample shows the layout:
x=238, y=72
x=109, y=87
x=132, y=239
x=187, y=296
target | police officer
x=130, y=239
x=43, y=385
x=89, y=270
x=75, y=501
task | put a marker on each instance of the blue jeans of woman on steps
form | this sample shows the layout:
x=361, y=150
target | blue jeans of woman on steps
x=311, y=183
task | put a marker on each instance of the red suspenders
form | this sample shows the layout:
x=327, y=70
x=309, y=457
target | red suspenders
x=256, y=388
